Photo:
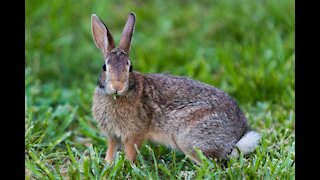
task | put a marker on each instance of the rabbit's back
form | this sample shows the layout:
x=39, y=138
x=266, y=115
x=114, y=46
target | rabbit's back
x=181, y=94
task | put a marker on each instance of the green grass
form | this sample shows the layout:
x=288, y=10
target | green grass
x=246, y=48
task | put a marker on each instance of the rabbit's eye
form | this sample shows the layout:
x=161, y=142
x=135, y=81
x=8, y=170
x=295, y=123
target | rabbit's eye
x=130, y=68
x=104, y=67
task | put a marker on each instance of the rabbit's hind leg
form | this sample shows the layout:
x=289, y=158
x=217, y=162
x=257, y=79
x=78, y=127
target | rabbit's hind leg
x=191, y=139
x=188, y=150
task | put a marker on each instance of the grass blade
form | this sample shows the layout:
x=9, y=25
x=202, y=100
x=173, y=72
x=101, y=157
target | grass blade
x=33, y=169
x=58, y=141
x=86, y=167
x=154, y=160
x=42, y=166
x=71, y=156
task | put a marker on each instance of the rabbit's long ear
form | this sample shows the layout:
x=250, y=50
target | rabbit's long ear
x=126, y=36
x=101, y=35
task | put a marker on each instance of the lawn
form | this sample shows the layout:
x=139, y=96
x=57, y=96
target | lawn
x=246, y=48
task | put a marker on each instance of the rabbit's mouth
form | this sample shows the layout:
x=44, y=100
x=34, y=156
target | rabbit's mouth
x=108, y=92
x=115, y=95
x=115, y=92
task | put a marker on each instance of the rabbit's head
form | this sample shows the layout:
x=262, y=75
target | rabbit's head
x=116, y=63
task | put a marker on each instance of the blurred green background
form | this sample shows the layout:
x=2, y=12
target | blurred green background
x=243, y=47
x=246, y=48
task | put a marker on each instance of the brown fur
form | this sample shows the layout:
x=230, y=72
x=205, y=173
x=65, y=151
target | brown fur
x=175, y=111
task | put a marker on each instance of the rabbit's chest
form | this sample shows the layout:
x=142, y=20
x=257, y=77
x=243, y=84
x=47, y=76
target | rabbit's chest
x=120, y=120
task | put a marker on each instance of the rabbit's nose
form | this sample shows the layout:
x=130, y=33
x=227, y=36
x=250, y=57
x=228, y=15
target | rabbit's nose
x=117, y=86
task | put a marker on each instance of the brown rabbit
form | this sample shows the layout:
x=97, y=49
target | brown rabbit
x=131, y=107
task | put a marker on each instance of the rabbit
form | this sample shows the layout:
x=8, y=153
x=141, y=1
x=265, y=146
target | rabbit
x=181, y=113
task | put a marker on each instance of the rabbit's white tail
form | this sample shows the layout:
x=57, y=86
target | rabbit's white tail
x=246, y=144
